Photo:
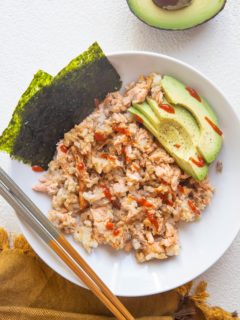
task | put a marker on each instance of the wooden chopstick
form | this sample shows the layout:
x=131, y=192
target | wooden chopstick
x=50, y=241
x=4, y=177
x=35, y=218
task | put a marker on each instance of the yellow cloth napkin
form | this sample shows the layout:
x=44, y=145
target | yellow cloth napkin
x=29, y=289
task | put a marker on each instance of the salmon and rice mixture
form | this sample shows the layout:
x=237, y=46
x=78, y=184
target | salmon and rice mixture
x=112, y=183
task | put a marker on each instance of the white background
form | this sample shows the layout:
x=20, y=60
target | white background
x=46, y=34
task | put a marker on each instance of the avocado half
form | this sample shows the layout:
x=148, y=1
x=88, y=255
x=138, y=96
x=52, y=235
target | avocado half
x=198, y=12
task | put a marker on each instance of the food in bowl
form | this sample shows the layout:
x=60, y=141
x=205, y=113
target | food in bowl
x=113, y=183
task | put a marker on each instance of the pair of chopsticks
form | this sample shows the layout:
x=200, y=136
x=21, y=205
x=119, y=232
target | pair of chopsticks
x=27, y=211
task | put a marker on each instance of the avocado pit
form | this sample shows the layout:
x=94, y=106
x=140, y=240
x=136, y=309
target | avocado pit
x=172, y=4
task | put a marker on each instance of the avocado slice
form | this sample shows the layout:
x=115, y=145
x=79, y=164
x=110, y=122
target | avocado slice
x=210, y=140
x=146, y=110
x=183, y=115
x=198, y=12
x=176, y=140
x=144, y=121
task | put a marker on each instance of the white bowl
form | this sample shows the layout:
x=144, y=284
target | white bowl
x=203, y=242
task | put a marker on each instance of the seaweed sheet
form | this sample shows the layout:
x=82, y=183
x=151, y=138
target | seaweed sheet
x=52, y=106
x=9, y=135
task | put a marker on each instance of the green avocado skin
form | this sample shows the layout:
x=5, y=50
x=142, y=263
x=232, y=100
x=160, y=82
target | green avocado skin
x=131, y=5
x=210, y=142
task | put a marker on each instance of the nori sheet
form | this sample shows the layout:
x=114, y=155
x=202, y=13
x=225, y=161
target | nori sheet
x=7, y=139
x=44, y=115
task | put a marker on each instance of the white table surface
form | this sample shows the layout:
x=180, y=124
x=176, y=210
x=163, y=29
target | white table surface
x=44, y=34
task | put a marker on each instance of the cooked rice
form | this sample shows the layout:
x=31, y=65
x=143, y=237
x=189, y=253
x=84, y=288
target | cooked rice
x=112, y=183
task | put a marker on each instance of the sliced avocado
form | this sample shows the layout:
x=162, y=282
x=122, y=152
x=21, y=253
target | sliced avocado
x=198, y=12
x=144, y=120
x=210, y=111
x=177, y=141
x=182, y=115
x=210, y=140
x=146, y=110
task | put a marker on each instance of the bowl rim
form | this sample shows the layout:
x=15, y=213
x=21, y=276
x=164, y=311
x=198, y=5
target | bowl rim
x=222, y=95
x=234, y=234
x=178, y=61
